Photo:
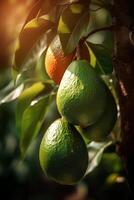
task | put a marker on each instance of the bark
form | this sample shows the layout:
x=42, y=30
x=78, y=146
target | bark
x=124, y=68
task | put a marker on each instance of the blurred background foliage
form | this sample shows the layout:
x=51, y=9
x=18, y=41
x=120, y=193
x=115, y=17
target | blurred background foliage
x=23, y=179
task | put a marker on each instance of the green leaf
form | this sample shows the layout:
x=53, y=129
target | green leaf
x=30, y=64
x=25, y=99
x=33, y=40
x=41, y=69
x=48, y=5
x=103, y=58
x=34, y=11
x=95, y=152
x=72, y=26
x=10, y=93
x=32, y=121
x=5, y=78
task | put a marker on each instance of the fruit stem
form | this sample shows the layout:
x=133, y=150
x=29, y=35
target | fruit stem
x=78, y=54
x=78, y=49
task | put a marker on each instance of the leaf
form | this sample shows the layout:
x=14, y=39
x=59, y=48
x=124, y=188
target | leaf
x=32, y=42
x=86, y=53
x=32, y=121
x=10, y=93
x=34, y=11
x=29, y=66
x=43, y=76
x=103, y=58
x=95, y=152
x=46, y=7
x=25, y=99
x=72, y=26
x=5, y=78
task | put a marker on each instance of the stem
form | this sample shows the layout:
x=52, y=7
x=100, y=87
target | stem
x=107, y=28
x=78, y=50
x=94, y=10
x=99, y=3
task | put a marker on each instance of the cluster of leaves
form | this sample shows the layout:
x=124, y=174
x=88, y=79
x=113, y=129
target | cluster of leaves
x=34, y=91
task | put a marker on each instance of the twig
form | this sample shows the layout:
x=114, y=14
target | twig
x=106, y=28
x=94, y=10
x=102, y=4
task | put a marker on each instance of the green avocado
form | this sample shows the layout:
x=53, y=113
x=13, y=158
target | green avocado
x=81, y=97
x=63, y=153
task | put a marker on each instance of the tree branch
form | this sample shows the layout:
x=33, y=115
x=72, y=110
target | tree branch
x=107, y=28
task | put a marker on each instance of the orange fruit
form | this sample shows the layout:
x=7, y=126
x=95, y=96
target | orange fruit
x=55, y=61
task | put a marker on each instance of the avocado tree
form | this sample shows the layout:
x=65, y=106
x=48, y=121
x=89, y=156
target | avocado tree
x=78, y=53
